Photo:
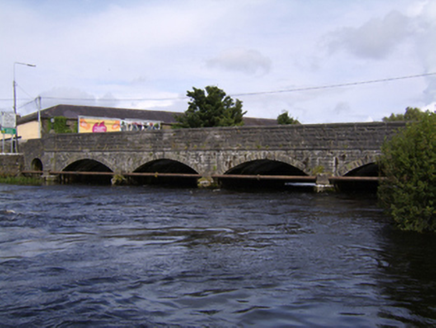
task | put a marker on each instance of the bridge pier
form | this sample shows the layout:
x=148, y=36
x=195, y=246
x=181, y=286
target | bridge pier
x=322, y=183
x=206, y=182
x=118, y=179
x=49, y=178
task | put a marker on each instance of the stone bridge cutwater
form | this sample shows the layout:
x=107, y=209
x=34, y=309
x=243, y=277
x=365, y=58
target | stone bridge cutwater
x=337, y=150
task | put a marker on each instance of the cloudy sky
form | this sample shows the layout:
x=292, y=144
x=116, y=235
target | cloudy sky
x=273, y=55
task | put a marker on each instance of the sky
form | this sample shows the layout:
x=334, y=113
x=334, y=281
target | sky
x=323, y=61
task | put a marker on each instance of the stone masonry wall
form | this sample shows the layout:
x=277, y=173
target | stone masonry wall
x=11, y=164
x=337, y=147
x=368, y=136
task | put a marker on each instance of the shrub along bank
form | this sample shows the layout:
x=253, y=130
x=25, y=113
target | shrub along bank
x=409, y=163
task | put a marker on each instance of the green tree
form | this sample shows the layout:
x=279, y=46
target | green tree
x=210, y=108
x=411, y=114
x=409, y=163
x=284, y=118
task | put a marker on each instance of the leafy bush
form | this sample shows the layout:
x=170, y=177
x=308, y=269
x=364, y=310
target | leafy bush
x=60, y=125
x=409, y=163
x=411, y=114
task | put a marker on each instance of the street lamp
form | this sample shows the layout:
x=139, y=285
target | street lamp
x=14, y=84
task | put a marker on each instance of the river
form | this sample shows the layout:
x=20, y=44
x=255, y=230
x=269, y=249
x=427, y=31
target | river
x=101, y=256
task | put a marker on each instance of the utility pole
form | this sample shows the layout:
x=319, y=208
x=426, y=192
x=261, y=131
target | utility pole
x=38, y=104
x=14, y=86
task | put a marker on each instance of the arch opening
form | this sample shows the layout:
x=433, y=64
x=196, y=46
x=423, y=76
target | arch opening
x=261, y=167
x=89, y=166
x=36, y=165
x=367, y=170
x=165, y=166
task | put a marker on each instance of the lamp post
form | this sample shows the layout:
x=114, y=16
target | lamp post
x=14, y=84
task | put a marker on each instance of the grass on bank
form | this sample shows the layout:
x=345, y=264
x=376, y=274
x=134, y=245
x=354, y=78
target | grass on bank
x=21, y=180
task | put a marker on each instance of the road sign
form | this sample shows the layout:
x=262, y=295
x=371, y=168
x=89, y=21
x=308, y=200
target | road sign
x=8, y=120
x=9, y=130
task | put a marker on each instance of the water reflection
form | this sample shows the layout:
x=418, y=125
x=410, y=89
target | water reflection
x=408, y=260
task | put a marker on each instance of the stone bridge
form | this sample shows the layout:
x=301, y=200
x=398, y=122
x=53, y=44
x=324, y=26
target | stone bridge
x=342, y=149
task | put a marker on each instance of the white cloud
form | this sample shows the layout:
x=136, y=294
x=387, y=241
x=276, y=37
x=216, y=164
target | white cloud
x=247, y=61
x=342, y=108
x=425, y=29
x=376, y=39
x=431, y=107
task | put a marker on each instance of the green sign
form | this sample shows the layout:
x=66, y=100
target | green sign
x=9, y=131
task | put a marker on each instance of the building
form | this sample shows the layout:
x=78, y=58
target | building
x=83, y=119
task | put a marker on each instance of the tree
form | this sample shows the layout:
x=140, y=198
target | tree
x=284, y=118
x=409, y=163
x=209, y=109
x=411, y=114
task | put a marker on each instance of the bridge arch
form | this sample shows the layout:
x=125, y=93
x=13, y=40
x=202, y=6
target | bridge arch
x=180, y=173
x=232, y=161
x=364, y=166
x=367, y=170
x=143, y=160
x=79, y=163
x=165, y=165
x=259, y=167
x=181, y=158
x=265, y=167
x=87, y=165
x=36, y=165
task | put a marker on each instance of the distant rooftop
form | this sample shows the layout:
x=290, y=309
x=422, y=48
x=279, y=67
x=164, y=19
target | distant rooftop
x=73, y=111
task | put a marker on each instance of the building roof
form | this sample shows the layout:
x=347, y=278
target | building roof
x=254, y=121
x=73, y=111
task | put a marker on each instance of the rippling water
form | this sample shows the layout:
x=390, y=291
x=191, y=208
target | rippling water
x=78, y=256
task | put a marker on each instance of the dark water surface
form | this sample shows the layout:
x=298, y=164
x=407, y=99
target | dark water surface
x=80, y=256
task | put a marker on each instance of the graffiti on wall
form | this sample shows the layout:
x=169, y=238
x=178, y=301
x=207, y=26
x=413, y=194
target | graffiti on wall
x=135, y=125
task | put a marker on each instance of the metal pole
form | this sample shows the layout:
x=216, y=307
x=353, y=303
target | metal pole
x=14, y=84
x=15, y=94
x=3, y=142
x=15, y=112
x=38, y=103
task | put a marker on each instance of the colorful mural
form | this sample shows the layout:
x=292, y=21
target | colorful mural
x=98, y=124
x=102, y=124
